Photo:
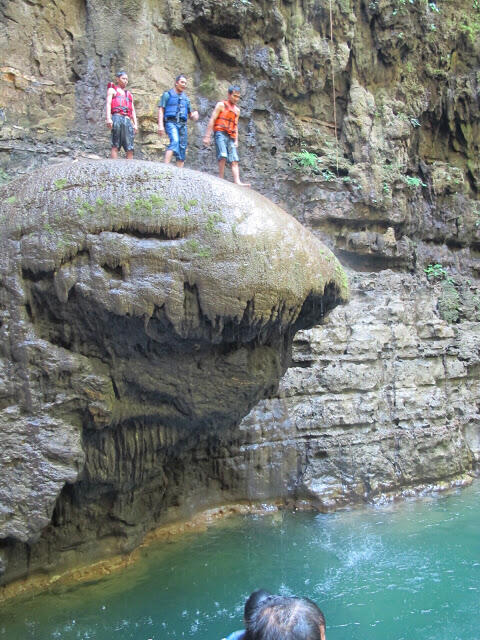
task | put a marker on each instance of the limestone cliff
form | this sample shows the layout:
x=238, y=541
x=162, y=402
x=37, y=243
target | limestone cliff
x=384, y=397
x=142, y=308
x=396, y=187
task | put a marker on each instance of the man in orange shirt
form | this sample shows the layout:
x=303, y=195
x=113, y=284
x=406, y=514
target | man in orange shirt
x=224, y=123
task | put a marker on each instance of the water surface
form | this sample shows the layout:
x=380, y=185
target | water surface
x=409, y=571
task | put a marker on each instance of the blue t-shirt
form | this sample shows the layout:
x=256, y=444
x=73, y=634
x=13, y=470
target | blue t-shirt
x=236, y=635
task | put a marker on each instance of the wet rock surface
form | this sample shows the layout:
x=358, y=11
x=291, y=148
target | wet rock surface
x=385, y=401
x=142, y=309
x=381, y=400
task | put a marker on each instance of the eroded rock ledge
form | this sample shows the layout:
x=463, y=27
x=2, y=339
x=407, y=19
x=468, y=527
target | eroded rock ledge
x=141, y=308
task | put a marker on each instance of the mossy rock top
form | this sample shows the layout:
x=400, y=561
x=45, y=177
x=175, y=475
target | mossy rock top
x=133, y=235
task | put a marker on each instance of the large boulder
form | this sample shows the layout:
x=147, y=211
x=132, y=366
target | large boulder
x=140, y=305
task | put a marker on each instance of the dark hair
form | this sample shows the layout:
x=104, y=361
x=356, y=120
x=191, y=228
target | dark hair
x=234, y=89
x=122, y=72
x=254, y=600
x=180, y=75
x=285, y=618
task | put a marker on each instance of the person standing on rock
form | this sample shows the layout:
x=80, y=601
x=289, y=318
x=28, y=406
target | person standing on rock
x=174, y=109
x=224, y=123
x=121, y=116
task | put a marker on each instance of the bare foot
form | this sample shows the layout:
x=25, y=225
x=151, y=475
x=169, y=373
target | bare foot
x=243, y=184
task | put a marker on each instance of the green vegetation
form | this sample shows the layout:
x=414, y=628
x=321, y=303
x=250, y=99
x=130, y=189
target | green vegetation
x=60, y=184
x=4, y=178
x=311, y=163
x=84, y=208
x=436, y=272
x=11, y=200
x=470, y=26
x=414, y=182
x=306, y=160
x=449, y=302
x=212, y=222
x=457, y=299
x=148, y=207
x=189, y=204
x=197, y=250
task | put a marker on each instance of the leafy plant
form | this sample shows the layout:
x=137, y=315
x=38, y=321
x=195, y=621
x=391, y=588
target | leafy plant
x=414, y=182
x=306, y=159
x=436, y=272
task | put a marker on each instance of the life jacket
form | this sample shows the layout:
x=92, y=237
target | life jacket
x=122, y=104
x=227, y=120
x=176, y=106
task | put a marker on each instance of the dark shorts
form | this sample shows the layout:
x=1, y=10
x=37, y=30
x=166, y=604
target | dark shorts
x=177, y=132
x=122, y=132
x=225, y=146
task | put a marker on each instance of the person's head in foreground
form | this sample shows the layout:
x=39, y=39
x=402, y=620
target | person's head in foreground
x=255, y=599
x=285, y=618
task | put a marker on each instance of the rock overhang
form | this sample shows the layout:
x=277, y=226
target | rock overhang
x=135, y=293
x=151, y=229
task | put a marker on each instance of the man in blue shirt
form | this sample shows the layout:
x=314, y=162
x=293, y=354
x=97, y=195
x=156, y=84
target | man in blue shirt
x=174, y=109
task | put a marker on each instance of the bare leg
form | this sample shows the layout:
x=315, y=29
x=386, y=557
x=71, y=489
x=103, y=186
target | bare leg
x=236, y=175
x=180, y=163
x=168, y=155
x=130, y=155
x=114, y=153
x=221, y=167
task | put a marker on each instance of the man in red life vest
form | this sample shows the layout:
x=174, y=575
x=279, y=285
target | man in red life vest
x=224, y=123
x=121, y=116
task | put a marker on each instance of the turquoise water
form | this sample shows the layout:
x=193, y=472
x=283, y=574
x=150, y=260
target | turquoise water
x=408, y=571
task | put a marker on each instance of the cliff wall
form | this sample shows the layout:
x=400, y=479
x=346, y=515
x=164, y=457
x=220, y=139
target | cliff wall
x=384, y=397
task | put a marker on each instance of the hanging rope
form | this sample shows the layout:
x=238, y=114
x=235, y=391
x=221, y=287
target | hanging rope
x=333, y=86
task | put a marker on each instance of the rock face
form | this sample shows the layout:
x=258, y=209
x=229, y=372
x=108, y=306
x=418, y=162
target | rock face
x=381, y=399
x=142, y=307
x=394, y=186
x=384, y=397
